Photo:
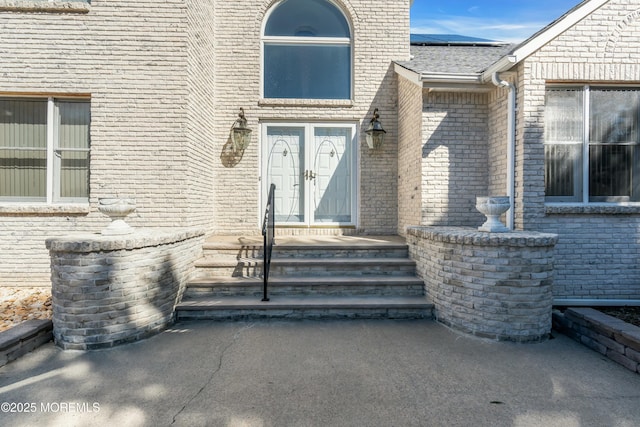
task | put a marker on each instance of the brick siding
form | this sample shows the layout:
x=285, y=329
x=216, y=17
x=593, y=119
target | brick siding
x=409, y=154
x=166, y=79
x=454, y=158
x=597, y=253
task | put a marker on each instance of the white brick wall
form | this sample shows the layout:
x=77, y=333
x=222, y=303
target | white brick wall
x=596, y=256
x=409, y=154
x=131, y=59
x=597, y=253
x=166, y=79
x=454, y=158
x=381, y=35
x=200, y=133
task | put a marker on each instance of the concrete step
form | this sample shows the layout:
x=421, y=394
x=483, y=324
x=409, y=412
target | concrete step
x=220, y=267
x=342, y=266
x=311, y=277
x=231, y=250
x=306, y=285
x=287, y=247
x=252, y=267
x=305, y=307
x=388, y=250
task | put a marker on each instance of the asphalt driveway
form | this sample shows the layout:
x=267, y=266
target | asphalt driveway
x=319, y=373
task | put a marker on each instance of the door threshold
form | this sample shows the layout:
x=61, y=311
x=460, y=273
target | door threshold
x=317, y=227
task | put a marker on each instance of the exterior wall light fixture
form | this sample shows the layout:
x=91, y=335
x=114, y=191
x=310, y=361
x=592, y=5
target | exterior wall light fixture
x=375, y=132
x=240, y=133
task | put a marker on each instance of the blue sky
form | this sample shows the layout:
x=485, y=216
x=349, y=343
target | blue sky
x=503, y=20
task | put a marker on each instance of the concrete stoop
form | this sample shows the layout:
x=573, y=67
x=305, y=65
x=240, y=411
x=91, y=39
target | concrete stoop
x=313, y=277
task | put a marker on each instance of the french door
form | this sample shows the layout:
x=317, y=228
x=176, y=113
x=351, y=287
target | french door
x=313, y=167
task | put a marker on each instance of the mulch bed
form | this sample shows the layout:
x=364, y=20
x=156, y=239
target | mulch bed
x=626, y=314
x=18, y=304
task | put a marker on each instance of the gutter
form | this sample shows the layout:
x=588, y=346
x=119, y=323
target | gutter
x=511, y=144
x=446, y=82
x=450, y=78
x=450, y=82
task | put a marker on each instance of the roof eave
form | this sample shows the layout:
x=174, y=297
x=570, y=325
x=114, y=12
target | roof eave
x=444, y=82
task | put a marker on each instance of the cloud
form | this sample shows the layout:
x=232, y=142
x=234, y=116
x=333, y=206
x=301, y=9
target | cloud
x=489, y=28
x=505, y=20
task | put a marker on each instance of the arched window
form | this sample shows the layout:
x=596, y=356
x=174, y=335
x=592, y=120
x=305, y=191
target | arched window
x=307, y=51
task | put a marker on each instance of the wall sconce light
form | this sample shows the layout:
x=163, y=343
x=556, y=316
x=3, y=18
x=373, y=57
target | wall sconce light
x=375, y=132
x=240, y=133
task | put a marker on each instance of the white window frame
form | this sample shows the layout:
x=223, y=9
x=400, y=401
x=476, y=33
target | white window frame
x=301, y=41
x=54, y=160
x=586, y=143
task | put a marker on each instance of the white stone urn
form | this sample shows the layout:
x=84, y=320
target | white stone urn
x=117, y=210
x=492, y=207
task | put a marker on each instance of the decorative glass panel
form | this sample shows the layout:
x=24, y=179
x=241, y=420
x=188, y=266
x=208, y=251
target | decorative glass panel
x=563, y=119
x=332, y=168
x=307, y=18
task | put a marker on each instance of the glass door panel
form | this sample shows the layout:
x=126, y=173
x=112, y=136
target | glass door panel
x=285, y=162
x=332, y=169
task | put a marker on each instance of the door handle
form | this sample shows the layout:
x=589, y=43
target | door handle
x=308, y=174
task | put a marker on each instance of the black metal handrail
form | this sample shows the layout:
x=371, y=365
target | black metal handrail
x=268, y=232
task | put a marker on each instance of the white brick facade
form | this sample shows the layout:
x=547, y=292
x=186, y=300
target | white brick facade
x=380, y=36
x=597, y=252
x=130, y=59
x=165, y=80
x=464, y=154
x=409, y=154
x=454, y=169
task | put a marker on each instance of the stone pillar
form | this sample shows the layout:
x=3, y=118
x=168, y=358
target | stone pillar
x=492, y=285
x=109, y=290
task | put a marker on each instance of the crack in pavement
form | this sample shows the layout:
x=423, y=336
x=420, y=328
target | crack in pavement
x=234, y=338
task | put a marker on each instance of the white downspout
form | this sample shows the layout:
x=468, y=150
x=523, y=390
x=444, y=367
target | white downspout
x=511, y=145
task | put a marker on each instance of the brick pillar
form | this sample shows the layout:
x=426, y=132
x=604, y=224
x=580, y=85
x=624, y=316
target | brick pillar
x=492, y=285
x=109, y=290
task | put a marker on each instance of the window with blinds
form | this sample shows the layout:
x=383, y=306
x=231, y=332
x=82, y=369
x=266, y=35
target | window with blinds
x=591, y=144
x=44, y=150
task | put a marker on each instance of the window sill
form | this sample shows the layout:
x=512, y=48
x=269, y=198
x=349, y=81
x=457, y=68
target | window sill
x=286, y=102
x=592, y=209
x=44, y=6
x=43, y=210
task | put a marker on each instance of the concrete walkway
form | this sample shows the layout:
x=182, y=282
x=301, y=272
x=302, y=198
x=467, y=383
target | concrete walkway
x=308, y=373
